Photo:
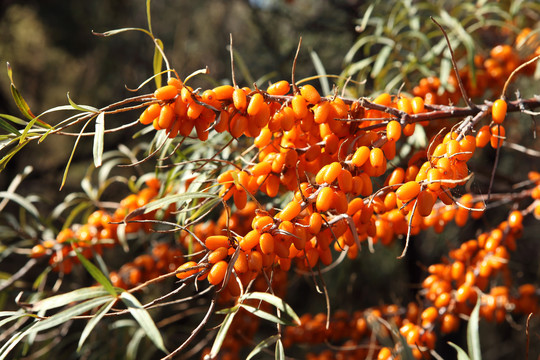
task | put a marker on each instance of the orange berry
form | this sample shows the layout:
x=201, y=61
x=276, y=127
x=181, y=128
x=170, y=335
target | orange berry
x=361, y=155
x=345, y=180
x=290, y=211
x=251, y=240
x=150, y=114
x=166, y=117
x=279, y=88
x=404, y=105
x=216, y=241
x=255, y=104
x=408, y=191
x=483, y=136
x=310, y=94
x=238, y=125
x=217, y=272
x=325, y=199
x=167, y=92
x=498, y=134
x=266, y=243
x=417, y=104
x=332, y=173
x=315, y=223
x=376, y=157
x=425, y=202
x=393, y=130
x=299, y=106
x=224, y=92
x=218, y=255
x=498, y=111
x=383, y=99
x=239, y=99
x=182, y=271
x=321, y=112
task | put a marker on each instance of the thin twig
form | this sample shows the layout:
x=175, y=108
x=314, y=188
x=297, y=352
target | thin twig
x=295, y=88
x=454, y=65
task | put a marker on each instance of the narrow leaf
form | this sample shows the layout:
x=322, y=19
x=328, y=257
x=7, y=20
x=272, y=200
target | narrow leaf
x=473, y=336
x=144, y=319
x=69, y=314
x=96, y=274
x=149, y=16
x=81, y=107
x=321, y=71
x=57, y=301
x=273, y=300
x=461, y=354
x=8, y=127
x=222, y=333
x=382, y=59
x=166, y=201
x=262, y=345
x=118, y=31
x=21, y=103
x=280, y=351
x=14, y=119
x=265, y=315
x=98, y=139
x=27, y=205
x=94, y=321
x=158, y=57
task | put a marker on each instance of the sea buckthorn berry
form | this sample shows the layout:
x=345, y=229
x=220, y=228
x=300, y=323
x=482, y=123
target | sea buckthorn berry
x=417, y=104
x=408, y=191
x=515, y=219
x=483, y=136
x=498, y=134
x=38, y=251
x=166, y=117
x=429, y=315
x=311, y=94
x=266, y=243
x=319, y=178
x=498, y=111
x=182, y=271
x=290, y=211
x=404, y=104
x=361, y=155
x=325, y=199
x=321, y=112
x=376, y=157
x=217, y=272
x=177, y=83
x=251, y=240
x=449, y=323
x=238, y=125
x=393, y=130
x=239, y=99
x=315, y=223
x=279, y=88
x=255, y=104
x=408, y=129
x=345, y=180
x=383, y=99
x=194, y=111
x=425, y=202
x=216, y=241
x=150, y=114
x=332, y=173
x=224, y=92
x=299, y=106
x=167, y=92
x=218, y=255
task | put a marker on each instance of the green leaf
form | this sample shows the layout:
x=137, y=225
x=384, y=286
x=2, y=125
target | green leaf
x=11, y=153
x=149, y=16
x=273, y=300
x=263, y=345
x=133, y=345
x=14, y=119
x=144, y=319
x=98, y=139
x=381, y=61
x=8, y=127
x=280, y=351
x=69, y=313
x=266, y=316
x=473, y=336
x=166, y=201
x=158, y=56
x=321, y=71
x=94, y=321
x=64, y=177
x=461, y=354
x=81, y=107
x=222, y=333
x=27, y=205
x=21, y=103
x=96, y=274
x=57, y=301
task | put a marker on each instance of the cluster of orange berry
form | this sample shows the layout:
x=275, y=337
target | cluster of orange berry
x=99, y=231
